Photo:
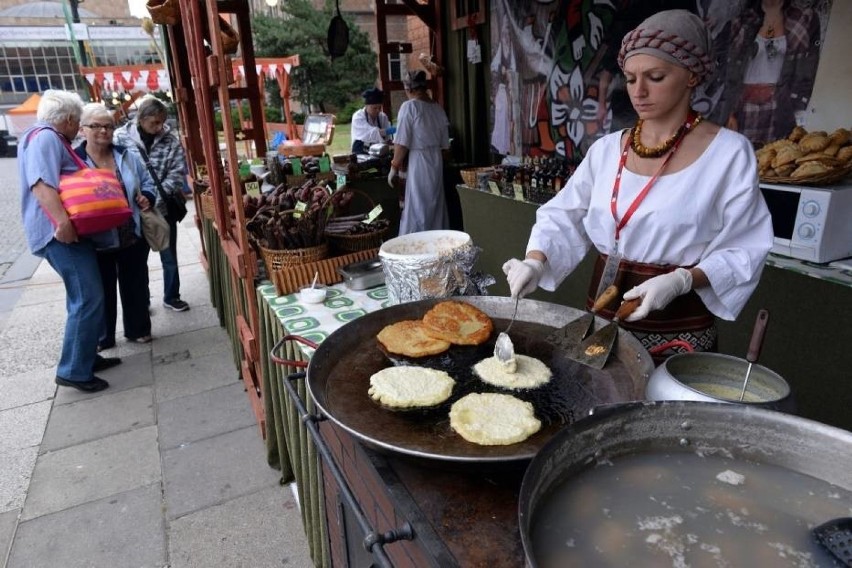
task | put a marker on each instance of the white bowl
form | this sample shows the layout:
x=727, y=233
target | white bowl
x=315, y=295
x=423, y=245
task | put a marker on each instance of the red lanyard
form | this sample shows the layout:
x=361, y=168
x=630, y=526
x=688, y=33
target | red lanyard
x=691, y=120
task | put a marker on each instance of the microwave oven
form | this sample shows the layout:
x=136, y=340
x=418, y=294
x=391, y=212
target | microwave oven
x=810, y=223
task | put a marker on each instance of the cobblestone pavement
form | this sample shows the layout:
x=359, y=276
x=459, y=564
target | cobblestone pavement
x=12, y=242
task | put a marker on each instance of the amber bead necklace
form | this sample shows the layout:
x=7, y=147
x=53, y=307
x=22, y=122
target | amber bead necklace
x=692, y=120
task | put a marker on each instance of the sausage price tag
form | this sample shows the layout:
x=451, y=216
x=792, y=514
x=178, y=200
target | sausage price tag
x=253, y=188
x=373, y=215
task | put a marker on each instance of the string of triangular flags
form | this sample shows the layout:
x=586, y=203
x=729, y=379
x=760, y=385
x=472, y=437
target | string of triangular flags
x=155, y=78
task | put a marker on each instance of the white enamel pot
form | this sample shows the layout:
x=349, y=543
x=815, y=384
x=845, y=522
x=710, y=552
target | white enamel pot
x=713, y=377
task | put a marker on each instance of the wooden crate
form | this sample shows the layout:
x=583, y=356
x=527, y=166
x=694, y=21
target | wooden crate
x=289, y=279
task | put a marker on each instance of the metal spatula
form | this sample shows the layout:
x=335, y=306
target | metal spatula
x=836, y=536
x=504, y=349
x=594, y=351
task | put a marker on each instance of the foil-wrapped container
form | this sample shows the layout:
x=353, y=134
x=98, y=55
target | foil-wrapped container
x=431, y=264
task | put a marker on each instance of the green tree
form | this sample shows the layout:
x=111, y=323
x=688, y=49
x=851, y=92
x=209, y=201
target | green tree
x=318, y=82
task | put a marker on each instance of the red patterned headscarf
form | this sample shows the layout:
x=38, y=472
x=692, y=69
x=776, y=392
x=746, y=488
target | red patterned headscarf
x=676, y=36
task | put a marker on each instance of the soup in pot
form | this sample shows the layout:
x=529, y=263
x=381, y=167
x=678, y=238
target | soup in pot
x=685, y=509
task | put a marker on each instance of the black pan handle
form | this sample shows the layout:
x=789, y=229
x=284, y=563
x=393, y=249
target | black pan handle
x=288, y=362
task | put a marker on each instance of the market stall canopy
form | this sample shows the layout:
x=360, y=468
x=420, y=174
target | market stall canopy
x=24, y=115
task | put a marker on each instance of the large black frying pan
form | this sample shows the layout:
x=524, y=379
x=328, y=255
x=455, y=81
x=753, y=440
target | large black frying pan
x=339, y=373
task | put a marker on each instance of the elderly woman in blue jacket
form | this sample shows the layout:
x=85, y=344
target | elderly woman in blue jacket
x=126, y=260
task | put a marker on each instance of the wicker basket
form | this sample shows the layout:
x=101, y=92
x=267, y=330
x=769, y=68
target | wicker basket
x=827, y=178
x=470, y=176
x=208, y=209
x=165, y=12
x=344, y=243
x=290, y=279
x=358, y=242
x=229, y=36
x=277, y=259
x=208, y=206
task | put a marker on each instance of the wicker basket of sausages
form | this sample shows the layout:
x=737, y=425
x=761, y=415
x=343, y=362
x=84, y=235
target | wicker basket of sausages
x=356, y=232
x=809, y=158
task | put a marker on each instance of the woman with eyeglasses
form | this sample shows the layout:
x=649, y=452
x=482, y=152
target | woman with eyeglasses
x=127, y=261
x=771, y=68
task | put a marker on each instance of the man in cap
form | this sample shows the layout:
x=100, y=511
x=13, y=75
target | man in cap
x=370, y=125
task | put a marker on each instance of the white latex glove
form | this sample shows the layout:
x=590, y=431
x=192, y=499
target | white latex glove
x=658, y=292
x=391, y=175
x=523, y=276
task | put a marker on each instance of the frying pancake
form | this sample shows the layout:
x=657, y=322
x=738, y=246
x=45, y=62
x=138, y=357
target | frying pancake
x=459, y=323
x=492, y=419
x=529, y=373
x=409, y=338
x=410, y=387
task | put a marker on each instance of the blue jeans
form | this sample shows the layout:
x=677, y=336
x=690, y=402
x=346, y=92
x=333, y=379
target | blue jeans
x=77, y=264
x=168, y=258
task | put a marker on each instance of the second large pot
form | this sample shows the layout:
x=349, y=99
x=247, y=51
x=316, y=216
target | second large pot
x=685, y=483
x=714, y=377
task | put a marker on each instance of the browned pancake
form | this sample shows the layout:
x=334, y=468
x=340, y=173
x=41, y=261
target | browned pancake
x=459, y=323
x=409, y=338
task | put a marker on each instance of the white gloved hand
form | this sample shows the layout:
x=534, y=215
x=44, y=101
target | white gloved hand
x=391, y=175
x=523, y=276
x=658, y=292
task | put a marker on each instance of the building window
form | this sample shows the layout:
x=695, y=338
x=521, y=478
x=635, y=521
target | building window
x=395, y=67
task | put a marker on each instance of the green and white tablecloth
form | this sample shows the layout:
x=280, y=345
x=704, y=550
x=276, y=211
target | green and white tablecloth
x=317, y=321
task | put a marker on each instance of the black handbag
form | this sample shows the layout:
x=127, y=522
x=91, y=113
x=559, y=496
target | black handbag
x=175, y=205
x=175, y=202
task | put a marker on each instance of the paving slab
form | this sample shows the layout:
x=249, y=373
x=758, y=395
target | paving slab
x=225, y=536
x=44, y=275
x=28, y=387
x=133, y=372
x=193, y=418
x=42, y=294
x=28, y=347
x=91, y=471
x=126, y=529
x=197, y=343
x=15, y=477
x=194, y=375
x=99, y=417
x=168, y=323
x=212, y=471
x=8, y=524
x=23, y=427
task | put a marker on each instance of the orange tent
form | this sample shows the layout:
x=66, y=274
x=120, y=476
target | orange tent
x=24, y=115
x=29, y=106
